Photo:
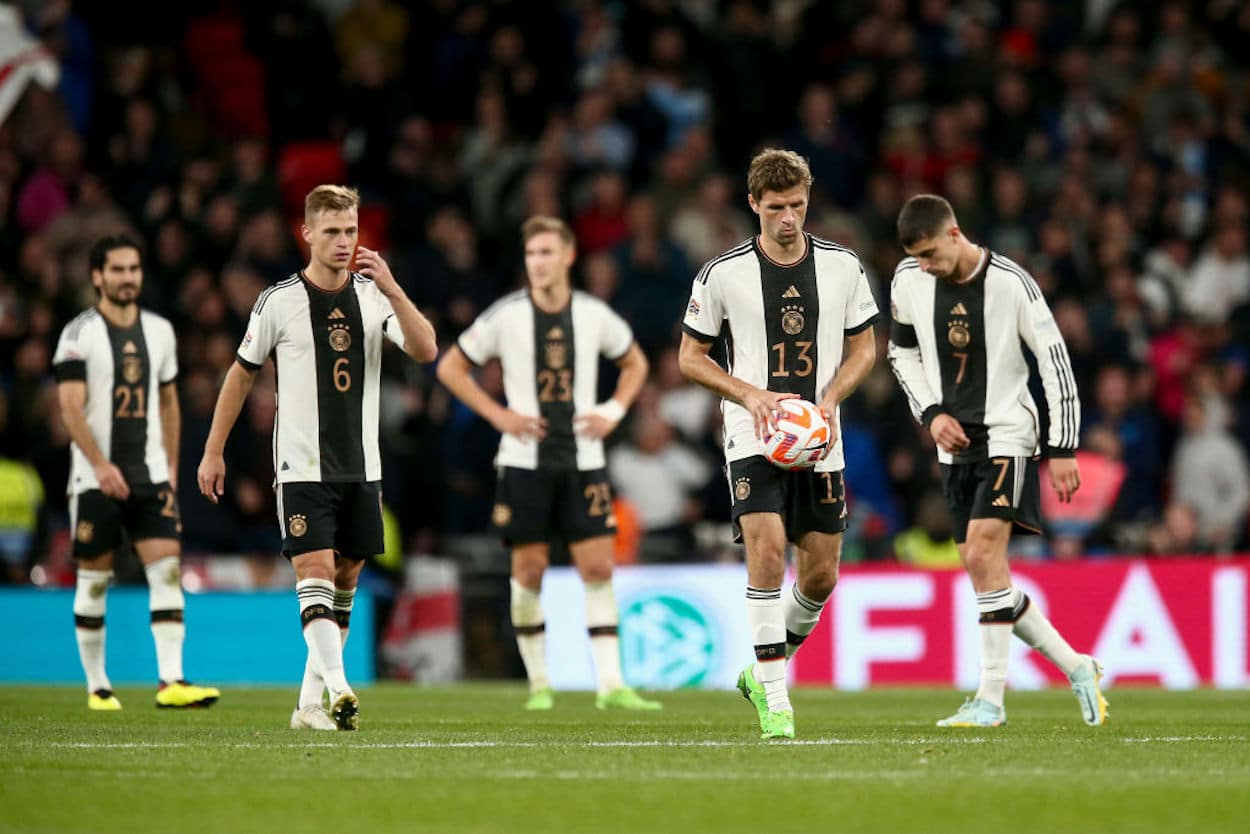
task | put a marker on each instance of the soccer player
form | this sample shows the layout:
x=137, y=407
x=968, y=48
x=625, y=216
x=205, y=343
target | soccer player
x=960, y=314
x=116, y=365
x=787, y=301
x=323, y=326
x=551, y=478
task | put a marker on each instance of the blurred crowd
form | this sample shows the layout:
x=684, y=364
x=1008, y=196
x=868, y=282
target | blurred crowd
x=1103, y=145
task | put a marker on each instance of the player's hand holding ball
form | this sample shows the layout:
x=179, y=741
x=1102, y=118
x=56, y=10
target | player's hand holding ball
x=802, y=436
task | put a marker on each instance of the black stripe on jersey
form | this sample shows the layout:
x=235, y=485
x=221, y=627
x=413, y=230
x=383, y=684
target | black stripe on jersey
x=71, y=370
x=554, y=362
x=132, y=373
x=903, y=335
x=338, y=336
x=830, y=246
x=959, y=330
x=863, y=325
x=738, y=251
x=251, y=366
x=697, y=336
x=494, y=309
x=791, y=310
x=1031, y=288
x=1067, y=397
x=911, y=398
x=906, y=264
x=264, y=296
x=76, y=324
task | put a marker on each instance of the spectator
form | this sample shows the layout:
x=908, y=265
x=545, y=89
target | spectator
x=1211, y=477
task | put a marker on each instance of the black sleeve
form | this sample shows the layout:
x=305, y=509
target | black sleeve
x=697, y=336
x=903, y=335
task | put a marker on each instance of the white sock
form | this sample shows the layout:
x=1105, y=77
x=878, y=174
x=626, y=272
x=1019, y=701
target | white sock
x=321, y=632
x=90, y=595
x=1033, y=628
x=601, y=623
x=165, y=601
x=531, y=635
x=998, y=612
x=312, y=690
x=802, y=614
x=767, y=619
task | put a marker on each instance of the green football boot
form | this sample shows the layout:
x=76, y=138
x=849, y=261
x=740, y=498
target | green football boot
x=753, y=691
x=625, y=698
x=778, y=724
x=541, y=699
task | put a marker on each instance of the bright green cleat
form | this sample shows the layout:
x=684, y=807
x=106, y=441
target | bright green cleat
x=625, y=698
x=184, y=695
x=976, y=713
x=103, y=700
x=541, y=699
x=753, y=691
x=1085, y=686
x=777, y=724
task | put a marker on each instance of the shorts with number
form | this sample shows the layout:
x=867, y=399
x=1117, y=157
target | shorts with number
x=345, y=517
x=151, y=512
x=999, y=487
x=537, y=505
x=807, y=501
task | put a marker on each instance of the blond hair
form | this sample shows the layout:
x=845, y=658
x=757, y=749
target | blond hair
x=543, y=223
x=329, y=198
x=774, y=169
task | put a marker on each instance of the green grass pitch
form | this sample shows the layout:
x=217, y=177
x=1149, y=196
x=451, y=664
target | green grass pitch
x=468, y=759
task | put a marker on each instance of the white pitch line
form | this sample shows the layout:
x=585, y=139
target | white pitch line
x=1180, y=739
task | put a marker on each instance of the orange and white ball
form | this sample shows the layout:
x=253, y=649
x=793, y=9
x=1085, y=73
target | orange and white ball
x=801, y=437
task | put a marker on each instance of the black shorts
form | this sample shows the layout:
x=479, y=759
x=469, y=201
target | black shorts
x=345, y=517
x=999, y=487
x=542, y=505
x=807, y=501
x=151, y=512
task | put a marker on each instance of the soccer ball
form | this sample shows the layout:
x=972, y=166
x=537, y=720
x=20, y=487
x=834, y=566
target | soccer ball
x=801, y=437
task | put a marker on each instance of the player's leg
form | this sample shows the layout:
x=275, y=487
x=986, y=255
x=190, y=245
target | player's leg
x=1084, y=673
x=816, y=520
x=586, y=521
x=312, y=691
x=529, y=562
x=96, y=524
x=765, y=539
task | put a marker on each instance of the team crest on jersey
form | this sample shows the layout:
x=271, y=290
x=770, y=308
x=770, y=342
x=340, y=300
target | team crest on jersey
x=557, y=355
x=132, y=369
x=85, y=531
x=792, y=320
x=297, y=525
x=742, y=489
x=340, y=337
x=958, y=335
x=501, y=515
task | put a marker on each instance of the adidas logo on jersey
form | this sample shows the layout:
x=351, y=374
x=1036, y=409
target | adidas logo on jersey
x=790, y=293
x=129, y=347
x=285, y=467
x=959, y=310
x=1001, y=501
x=336, y=313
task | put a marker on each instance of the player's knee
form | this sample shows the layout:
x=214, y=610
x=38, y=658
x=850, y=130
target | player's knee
x=819, y=583
x=981, y=557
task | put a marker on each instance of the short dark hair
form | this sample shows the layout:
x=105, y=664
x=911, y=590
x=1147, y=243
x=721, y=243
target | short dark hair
x=101, y=248
x=923, y=216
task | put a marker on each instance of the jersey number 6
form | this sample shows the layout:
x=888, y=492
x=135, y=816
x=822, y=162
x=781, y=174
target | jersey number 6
x=342, y=374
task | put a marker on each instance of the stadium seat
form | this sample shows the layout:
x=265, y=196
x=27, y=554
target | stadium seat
x=303, y=166
x=209, y=39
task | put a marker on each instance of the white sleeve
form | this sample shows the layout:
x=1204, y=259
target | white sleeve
x=615, y=337
x=168, y=372
x=262, y=333
x=480, y=343
x=861, y=307
x=390, y=323
x=1040, y=332
x=70, y=359
x=904, y=356
x=705, y=313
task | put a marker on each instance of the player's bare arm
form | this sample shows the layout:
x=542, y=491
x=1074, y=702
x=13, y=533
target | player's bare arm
x=860, y=357
x=456, y=373
x=601, y=422
x=171, y=426
x=1065, y=477
x=420, y=340
x=697, y=366
x=234, y=390
x=72, y=396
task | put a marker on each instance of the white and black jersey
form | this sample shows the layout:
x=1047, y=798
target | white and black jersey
x=550, y=368
x=327, y=352
x=123, y=368
x=786, y=325
x=956, y=348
